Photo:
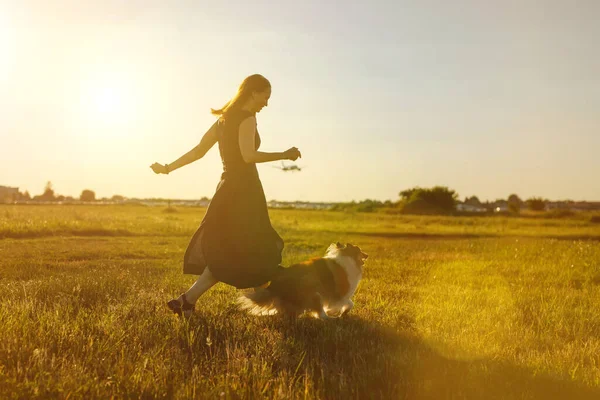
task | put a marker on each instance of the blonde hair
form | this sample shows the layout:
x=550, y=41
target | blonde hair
x=253, y=83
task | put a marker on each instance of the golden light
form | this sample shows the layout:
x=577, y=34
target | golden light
x=7, y=46
x=109, y=102
x=108, y=99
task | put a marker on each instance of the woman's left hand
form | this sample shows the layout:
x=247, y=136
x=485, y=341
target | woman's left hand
x=159, y=168
x=292, y=154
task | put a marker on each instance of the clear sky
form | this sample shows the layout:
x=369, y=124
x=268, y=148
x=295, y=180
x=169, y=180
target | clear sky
x=488, y=98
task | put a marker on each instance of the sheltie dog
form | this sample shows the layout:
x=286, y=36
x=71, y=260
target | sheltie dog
x=322, y=286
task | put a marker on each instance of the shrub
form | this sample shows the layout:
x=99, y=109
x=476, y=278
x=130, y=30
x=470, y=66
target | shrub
x=437, y=200
x=536, y=204
x=87, y=195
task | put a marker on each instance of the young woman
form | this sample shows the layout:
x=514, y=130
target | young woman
x=235, y=242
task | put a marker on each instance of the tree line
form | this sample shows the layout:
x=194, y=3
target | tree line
x=438, y=200
x=441, y=200
x=49, y=194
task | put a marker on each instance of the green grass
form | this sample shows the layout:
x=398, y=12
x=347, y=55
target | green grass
x=486, y=307
x=84, y=220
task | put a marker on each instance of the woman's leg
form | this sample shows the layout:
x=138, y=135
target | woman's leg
x=202, y=284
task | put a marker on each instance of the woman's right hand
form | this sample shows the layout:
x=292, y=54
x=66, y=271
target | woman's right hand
x=292, y=154
x=159, y=168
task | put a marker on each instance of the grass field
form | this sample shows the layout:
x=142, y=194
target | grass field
x=449, y=308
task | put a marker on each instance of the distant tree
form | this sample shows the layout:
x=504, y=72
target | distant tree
x=406, y=194
x=117, y=198
x=48, y=194
x=514, y=203
x=48, y=191
x=87, y=195
x=23, y=196
x=368, y=205
x=514, y=198
x=536, y=204
x=473, y=201
x=437, y=200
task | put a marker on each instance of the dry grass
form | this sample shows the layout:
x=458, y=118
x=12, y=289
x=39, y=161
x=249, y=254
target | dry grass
x=448, y=308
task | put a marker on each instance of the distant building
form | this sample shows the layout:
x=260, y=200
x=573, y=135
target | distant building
x=499, y=206
x=8, y=194
x=299, y=205
x=470, y=208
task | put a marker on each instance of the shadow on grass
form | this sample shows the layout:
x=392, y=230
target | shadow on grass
x=352, y=358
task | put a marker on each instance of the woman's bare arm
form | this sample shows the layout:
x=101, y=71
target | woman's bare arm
x=208, y=141
x=248, y=146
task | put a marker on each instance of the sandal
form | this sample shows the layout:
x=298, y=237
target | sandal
x=182, y=306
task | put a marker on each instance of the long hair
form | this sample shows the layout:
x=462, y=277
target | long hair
x=252, y=83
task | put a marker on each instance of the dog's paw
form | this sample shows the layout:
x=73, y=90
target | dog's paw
x=349, y=306
x=346, y=311
x=334, y=314
x=322, y=315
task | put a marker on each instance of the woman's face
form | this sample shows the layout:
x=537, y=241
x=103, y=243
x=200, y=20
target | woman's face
x=261, y=99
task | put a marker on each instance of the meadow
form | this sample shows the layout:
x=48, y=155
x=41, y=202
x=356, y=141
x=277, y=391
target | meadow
x=448, y=308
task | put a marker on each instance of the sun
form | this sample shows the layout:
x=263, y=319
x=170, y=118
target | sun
x=108, y=100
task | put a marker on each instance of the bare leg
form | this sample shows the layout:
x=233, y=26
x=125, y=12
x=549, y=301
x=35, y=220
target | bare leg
x=184, y=304
x=202, y=284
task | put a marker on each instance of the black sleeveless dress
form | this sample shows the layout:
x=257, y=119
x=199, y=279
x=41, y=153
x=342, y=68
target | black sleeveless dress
x=235, y=239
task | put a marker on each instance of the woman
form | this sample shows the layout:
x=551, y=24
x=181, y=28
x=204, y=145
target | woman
x=235, y=242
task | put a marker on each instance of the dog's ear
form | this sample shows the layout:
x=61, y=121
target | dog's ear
x=339, y=245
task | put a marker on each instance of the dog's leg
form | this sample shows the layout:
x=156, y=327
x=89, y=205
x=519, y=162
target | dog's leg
x=335, y=310
x=347, y=307
x=323, y=315
x=316, y=305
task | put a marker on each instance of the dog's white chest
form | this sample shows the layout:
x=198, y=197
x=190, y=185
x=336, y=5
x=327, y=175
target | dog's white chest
x=353, y=274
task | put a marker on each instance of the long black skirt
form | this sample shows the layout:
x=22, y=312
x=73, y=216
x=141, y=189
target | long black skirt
x=235, y=240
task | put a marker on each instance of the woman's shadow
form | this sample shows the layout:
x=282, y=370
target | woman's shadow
x=353, y=358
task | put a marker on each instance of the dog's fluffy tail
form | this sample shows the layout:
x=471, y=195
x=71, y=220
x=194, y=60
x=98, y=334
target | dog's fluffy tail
x=259, y=302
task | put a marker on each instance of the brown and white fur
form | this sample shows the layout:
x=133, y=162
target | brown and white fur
x=322, y=286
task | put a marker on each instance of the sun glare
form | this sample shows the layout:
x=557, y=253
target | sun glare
x=108, y=101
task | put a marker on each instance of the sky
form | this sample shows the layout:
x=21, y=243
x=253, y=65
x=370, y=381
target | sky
x=487, y=98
